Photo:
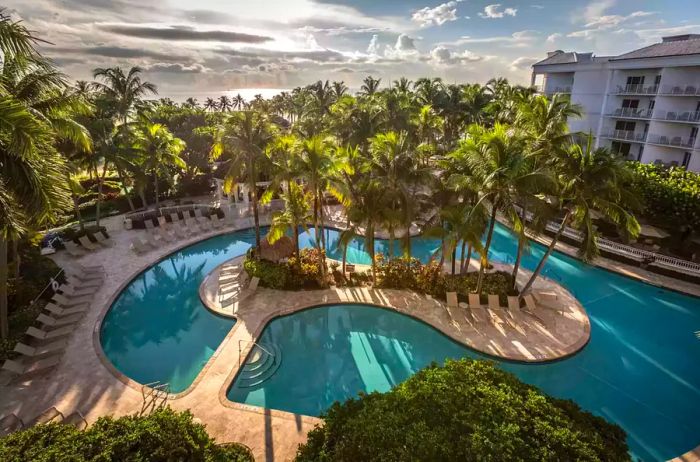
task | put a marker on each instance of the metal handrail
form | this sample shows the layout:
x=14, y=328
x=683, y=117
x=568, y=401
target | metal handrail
x=631, y=112
x=240, y=350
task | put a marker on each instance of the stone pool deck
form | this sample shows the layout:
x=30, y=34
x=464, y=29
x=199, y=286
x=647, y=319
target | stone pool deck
x=86, y=382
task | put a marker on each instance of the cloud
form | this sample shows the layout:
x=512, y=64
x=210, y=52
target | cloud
x=437, y=16
x=537, y=7
x=183, y=33
x=177, y=68
x=614, y=20
x=520, y=39
x=522, y=63
x=444, y=56
x=120, y=52
x=492, y=11
x=594, y=10
x=405, y=48
x=373, y=47
x=322, y=55
x=554, y=37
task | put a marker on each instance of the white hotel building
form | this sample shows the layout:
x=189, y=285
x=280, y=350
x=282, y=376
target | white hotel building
x=644, y=104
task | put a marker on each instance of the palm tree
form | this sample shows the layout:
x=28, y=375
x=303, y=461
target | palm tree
x=238, y=102
x=429, y=91
x=339, y=89
x=295, y=215
x=225, y=103
x=590, y=180
x=243, y=137
x=460, y=223
x=501, y=170
x=403, y=85
x=316, y=164
x=370, y=85
x=160, y=149
x=191, y=103
x=211, y=105
x=366, y=210
x=32, y=177
x=123, y=89
x=281, y=152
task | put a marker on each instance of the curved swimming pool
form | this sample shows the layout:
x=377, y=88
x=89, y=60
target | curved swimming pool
x=639, y=369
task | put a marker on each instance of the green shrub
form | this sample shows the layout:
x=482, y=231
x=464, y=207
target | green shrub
x=272, y=275
x=290, y=275
x=164, y=435
x=670, y=195
x=465, y=411
x=307, y=274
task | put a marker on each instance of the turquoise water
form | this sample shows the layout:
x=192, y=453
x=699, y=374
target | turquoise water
x=639, y=369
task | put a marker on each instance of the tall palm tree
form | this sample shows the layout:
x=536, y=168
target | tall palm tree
x=211, y=105
x=191, y=103
x=225, y=104
x=238, y=102
x=161, y=150
x=295, y=215
x=465, y=224
x=370, y=85
x=339, y=89
x=366, y=210
x=590, y=180
x=242, y=138
x=403, y=85
x=125, y=89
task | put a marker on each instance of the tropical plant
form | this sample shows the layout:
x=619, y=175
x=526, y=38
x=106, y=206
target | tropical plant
x=295, y=215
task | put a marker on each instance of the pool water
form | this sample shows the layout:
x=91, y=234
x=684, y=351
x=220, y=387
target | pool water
x=639, y=369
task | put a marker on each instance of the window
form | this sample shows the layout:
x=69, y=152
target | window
x=641, y=151
x=657, y=80
x=622, y=149
x=652, y=103
x=626, y=126
x=635, y=80
x=686, y=159
x=693, y=133
x=630, y=103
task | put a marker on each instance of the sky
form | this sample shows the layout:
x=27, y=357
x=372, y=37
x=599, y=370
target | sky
x=207, y=47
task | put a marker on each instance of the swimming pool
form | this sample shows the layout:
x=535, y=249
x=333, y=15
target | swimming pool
x=639, y=369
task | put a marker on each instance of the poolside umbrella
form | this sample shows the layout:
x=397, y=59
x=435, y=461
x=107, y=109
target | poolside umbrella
x=282, y=248
x=653, y=231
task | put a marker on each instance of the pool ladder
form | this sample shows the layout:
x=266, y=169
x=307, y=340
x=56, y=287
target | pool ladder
x=250, y=342
x=154, y=395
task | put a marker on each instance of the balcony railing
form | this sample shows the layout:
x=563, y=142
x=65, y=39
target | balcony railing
x=674, y=116
x=564, y=89
x=625, y=135
x=631, y=113
x=636, y=89
x=680, y=90
x=672, y=141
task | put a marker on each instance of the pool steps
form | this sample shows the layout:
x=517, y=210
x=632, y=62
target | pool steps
x=255, y=372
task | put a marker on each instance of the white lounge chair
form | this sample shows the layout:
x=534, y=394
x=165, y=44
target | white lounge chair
x=150, y=240
x=71, y=291
x=42, y=350
x=193, y=227
x=253, y=285
x=80, y=284
x=201, y=219
x=58, y=322
x=452, y=301
x=179, y=226
x=172, y=228
x=71, y=302
x=216, y=221
x=58, y=311
x=73, y=249
x=476, y=309
x=87, y=243
x=23, y=369
x=164, y=235
x=138, y=246
x=40, y=334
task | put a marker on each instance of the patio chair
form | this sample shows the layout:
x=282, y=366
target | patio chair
x=495, y=311
x=58, y=311
x=71, y=291
x=9, y=424
x=91, y=269
x=53, y=323
x=73, y=249
x=193, y=227
x=530, y=303
x=87, y=243
x=164, y=235
x=22, y=369
x=676, y=141
x=78, y=284
x=452, y=301
x=86, y=277
x=474, y=301
x=200, y=218
x=67, y=301
x=148, y=224
x=175, y=229
x=253, y=284
x=690, y=90
x=41, y=350
x=671, y=116
x=150, y=239
x=477, y=310
x=40, y=334
x=547, y=299
x=216, y=221
x=102, y=240
x=49, y=415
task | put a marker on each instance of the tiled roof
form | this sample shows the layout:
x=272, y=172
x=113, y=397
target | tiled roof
x=671, y=48
x=568, y=57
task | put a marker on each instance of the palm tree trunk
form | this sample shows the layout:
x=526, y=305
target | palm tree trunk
x=546, y=255
x=296, y=245
x=391, y=242
x=461, y=260
x=16, y=260
x=256, y=218
x=345, y=245
x=321, y=221
x=120, y=172
x=442, y=246
x=467, y=262
x=407, y=245
x=485, y=256
x=521, y=245
x=100, y=181
x=370, y=229
x=155, y=185
x=4, y=322
x=454, y=259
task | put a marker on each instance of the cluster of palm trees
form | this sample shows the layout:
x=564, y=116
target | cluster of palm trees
x=452, y=159
x=223, y=104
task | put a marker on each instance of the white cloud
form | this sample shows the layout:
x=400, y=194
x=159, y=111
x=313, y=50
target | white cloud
x=441, y=55
x=594, y=10
x=520, y=39
x=537, y=7
x=522, y=63
x=437, y=16
x=373, y=47
x=494, y=12
x=613, y=20
x=554, y=37
x=405, y=49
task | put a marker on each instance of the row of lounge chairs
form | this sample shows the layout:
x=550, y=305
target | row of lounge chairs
x=494, y=313
x=75, y=250
x=11, y=423
x=44, y=344
x=165, y=232
x=232, y=286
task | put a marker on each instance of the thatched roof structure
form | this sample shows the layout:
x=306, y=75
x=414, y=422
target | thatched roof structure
x=282, y=248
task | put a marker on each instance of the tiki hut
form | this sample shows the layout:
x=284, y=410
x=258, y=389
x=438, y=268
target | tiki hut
x=281, y=249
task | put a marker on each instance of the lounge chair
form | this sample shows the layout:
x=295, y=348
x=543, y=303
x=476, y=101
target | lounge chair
x=102, y=240
x=30, y=368
x=148, y=223
x=49, y=415
x=40, y=334
x=70, y=302
x=547, y=300
x=71, y=291
x=216, y=221
x=253, y=284
x=58, y=311
x=164, y=235
x=10, y=423
x=172, y=228
x=495, y=311
x=179, y=226
x=87, y=284
x=530, y=303
x=138, y=246
x=58, y=322
x=193, y=227
x=42, y=350
x=87, y=243
x=200, y=218
x=476, y=309
x=87, y=278
x=149, y=239
x=452, y=301
x=73, y=249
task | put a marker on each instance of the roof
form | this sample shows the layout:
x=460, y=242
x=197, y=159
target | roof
x=565, y=57
x=671, y=46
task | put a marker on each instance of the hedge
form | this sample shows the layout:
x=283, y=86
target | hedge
x=164, y=435
x=465, y=411
x=671, y=195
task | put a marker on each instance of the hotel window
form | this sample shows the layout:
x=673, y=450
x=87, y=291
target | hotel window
x=626, y=126
x=686, y=159
x=636, y=80
x=630, y=103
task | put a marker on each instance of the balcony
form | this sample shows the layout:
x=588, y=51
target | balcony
x=624, y=135
x=680, y=90
x=671, y=141
x=680, y=117
x=564, y=90
x=630, y=113
x=636, y=89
